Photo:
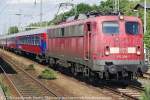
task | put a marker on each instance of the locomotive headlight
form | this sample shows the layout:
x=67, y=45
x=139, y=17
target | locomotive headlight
x=121, y=17
x=138, y=53
x=107, y=53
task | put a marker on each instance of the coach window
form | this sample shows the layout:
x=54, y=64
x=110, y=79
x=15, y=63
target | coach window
x=23, y=40
x=71, y=31
x=55, y=32
x=110, y=27
x=51, y=32
x=59, y=32
x=76, y=30
x=81, y=29
x=19, y=41
x=32, y=40
x=62, y=31
x=37, y=41
x=28, y=40
x=67, y=31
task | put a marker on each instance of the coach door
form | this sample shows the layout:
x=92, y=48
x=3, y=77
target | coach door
x=87, y=41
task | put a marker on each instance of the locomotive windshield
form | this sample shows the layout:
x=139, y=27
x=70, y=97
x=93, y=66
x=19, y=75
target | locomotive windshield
x=132, y=27
x=111, y=27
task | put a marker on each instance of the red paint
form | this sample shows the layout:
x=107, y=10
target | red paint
x=30, y=48
x=95, y=42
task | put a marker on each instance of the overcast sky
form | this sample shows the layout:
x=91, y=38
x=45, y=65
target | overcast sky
x=30, y=12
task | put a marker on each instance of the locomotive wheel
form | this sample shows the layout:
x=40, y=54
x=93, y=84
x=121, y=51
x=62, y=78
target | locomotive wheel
x=52, y=62
x=106, y=75
x=92, y=77
x=73, y=71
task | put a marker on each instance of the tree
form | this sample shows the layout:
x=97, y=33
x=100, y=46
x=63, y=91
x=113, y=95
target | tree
x=147, y=39
x=13, y=29
x=83, y=8
x=106, y=6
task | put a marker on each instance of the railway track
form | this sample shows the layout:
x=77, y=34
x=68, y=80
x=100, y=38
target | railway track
x=129, y=93
x=147, y=75
x=132, y=93
x=26, y=85
x=8, y=79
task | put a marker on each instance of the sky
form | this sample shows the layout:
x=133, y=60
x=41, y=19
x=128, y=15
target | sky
x=30, y=11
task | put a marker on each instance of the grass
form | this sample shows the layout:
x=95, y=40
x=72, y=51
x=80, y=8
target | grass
x=48, y=74
x=30, y=67
x=5, y=90
x=146, y=93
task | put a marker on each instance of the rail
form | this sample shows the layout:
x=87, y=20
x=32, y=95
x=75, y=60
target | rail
x=29, y=76
x=10, y=81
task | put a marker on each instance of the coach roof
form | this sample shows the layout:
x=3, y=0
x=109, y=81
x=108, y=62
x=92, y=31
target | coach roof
x=35, y=31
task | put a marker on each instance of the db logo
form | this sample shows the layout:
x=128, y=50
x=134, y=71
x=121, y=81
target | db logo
x=122, y=56
x=123, y=50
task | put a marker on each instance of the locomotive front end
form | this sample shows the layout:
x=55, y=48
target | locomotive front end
x=120, y=50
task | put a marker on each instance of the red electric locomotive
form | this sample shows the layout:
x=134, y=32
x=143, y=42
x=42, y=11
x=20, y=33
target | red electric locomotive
x=109, y=47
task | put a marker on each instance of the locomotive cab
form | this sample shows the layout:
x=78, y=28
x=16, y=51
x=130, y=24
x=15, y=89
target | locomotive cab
x=119, y=51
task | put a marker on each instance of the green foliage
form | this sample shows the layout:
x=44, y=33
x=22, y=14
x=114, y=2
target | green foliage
x=30, y=67
x=146, y=94
x=106, y=6
x=13, y=29
x=5, y=89
x=147, y=39
x=83, y=8
x=48, y=74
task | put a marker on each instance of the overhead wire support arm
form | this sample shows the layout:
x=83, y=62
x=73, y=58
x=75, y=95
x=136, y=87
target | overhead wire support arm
x=67, y=4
